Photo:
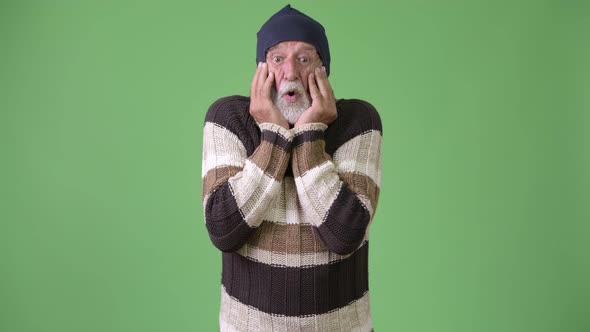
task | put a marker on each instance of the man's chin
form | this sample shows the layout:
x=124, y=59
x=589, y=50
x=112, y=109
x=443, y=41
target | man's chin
x=291, y=111
x=291, y=114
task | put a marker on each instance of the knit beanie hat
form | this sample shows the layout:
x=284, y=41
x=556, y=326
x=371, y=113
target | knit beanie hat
x=291, y=24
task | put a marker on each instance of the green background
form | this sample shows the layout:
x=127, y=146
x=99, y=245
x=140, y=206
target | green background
x=483, y=222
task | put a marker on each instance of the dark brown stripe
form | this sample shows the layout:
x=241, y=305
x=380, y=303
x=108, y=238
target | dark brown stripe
x=307, y=156
x=355, y=117
x=294, y=291
x=308, y=136
x=271, y=159
x=227, y=228
x=346, y=223
x=286, y=239
x=276, y=139
x=362, y=185
x=217, y=176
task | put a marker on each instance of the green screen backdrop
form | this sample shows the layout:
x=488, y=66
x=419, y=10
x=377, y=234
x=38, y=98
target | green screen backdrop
x=483, y=223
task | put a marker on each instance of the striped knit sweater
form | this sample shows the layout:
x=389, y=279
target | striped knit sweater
x=290, y=210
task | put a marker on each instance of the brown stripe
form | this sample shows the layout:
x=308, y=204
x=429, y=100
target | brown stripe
x=286, y=238
x=308, y=136
x=307, y=156
x=217, y=176
x=362, y=185
x=271, y=159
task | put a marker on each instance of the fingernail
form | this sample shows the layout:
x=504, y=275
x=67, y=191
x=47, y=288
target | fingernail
x=324, y=68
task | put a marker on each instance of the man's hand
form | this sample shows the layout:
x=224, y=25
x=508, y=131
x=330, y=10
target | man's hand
x=261, y=106
x=323, y=102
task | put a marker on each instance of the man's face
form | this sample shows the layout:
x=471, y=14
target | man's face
x=292, y=62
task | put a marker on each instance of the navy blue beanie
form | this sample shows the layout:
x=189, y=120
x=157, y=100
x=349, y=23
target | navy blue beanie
x=291, y=24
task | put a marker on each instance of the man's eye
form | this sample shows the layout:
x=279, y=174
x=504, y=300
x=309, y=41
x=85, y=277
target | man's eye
x=276, y=59
x=303, y=60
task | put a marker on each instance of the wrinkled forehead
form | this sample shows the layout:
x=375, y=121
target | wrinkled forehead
x=293, y=46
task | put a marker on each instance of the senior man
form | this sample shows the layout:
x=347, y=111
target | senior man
x=291, y=179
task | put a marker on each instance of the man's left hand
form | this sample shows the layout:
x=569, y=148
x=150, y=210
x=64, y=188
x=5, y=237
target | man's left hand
x=323, y=102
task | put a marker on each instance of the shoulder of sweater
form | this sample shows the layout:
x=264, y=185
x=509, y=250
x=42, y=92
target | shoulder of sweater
x=233, y=114
x=228, y=107
x=353, y=103
x=356, y=116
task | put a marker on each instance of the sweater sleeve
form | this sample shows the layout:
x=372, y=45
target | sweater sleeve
x=238, y=189
x=339, y=194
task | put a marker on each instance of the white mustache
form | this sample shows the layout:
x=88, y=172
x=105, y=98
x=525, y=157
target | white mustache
x=287, y=86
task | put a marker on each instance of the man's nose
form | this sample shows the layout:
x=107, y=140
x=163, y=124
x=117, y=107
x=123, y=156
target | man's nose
x=290, y=69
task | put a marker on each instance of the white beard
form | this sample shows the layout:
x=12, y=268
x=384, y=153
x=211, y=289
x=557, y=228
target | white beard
x=291, y=111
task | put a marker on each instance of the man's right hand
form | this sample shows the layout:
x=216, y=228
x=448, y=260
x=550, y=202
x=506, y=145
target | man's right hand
x=262, y=107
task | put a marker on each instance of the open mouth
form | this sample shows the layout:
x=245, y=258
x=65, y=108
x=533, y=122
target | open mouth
x=291, y=96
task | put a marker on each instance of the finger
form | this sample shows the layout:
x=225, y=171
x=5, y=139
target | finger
x=313, y=88
x=263, y=75
x=268, y=84
x=254, y=84
x=323, y=83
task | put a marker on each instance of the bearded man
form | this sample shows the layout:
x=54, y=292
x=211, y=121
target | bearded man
x=291, y=179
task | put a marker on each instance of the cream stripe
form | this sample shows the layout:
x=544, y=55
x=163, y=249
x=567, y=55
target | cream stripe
x=365, y=148
x=221, y=147
x=309, y=127
x=292, y=204
x=323, y=185
x=237, y=317
x=290, y=260
x=285, y=208
x=277, y=210
x=286, y=133
x=253, y=192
